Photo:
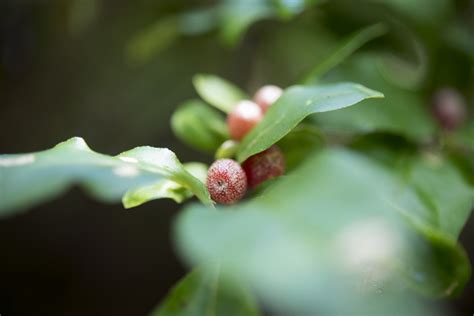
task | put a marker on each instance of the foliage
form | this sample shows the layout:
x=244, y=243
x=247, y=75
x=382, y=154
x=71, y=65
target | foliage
x=376, y=194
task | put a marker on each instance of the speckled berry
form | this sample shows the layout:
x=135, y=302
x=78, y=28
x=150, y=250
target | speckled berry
x=449, y=108
x=245, y=115
x=267, y=95
x=226, y=181
x=264, y=166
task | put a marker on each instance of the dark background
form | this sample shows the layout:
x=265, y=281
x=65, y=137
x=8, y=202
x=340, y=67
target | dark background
x=74, y=256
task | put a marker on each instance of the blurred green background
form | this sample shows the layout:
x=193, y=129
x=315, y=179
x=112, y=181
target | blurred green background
x=113, y=71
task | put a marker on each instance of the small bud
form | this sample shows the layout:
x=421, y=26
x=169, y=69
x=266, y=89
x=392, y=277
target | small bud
x=264, y=166
x=449, y=108
x=227, y=149
x=245, y=115
x=267, y=95
x=226, y=181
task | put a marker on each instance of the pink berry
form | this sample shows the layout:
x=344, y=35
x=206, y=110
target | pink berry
x=264, y=166
x=449, y=108
x=245, y=115
x=226, y=181
x=267, y=95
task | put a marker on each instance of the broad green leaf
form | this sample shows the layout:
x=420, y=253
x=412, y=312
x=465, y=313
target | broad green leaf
x=198, y=21
x=199, y=126
x=426, y=12
x=82, y=13
x=28, y=179
x=434, y=177
x=152, y=40
x=342, y=234
x=165, y=188
x=238, y=16
x=347, y=47
x=294, y=105
x=218, y=92
x=204, y=292
x=401, y=112
x=446, y=192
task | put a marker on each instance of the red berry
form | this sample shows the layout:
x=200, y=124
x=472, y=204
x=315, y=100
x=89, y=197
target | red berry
x=449, y=108
x=264, y=166
x=267, y=95
x=226, y=181
x=245, y=115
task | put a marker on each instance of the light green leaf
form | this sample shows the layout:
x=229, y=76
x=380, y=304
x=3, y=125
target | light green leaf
x=342, y=234
x=294, y=105
x=227, y=149
x=199, y=126
x=203, y=292
x=238, y=16
x=218, y=92
x=165, y=188
x=347, y=47
x=28, y=179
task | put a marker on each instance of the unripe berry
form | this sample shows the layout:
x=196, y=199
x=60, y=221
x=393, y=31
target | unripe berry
x=226, y=181
x=245, y=115
x=449, y=108
x=267, y=95
x=264, y=166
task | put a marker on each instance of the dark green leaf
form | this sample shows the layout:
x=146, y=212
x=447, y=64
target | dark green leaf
x=28, y=179
x=199, y=126
x=203, y=292
x=299, y=144
x=82, y=13
x=218, y=92
x=401, y=112
x=294, y=105
x=347, y=47
x=339, y=218
x=152, y=40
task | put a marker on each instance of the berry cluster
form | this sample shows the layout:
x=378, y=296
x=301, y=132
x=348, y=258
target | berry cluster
x=227, y=181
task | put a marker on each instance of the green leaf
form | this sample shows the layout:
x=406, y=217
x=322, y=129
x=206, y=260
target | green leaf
x=28, y=179
x=339, y=223
x=401, y=112
x=218, y=92
x=238, y=16
x=294, y=105
x=82, y=13
x=203, y=292
x=199, y=126
x=198, y=21
x=427, y=12
x=446, y=192
x=347, y=47
x=165, y=188
x=154, y=39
